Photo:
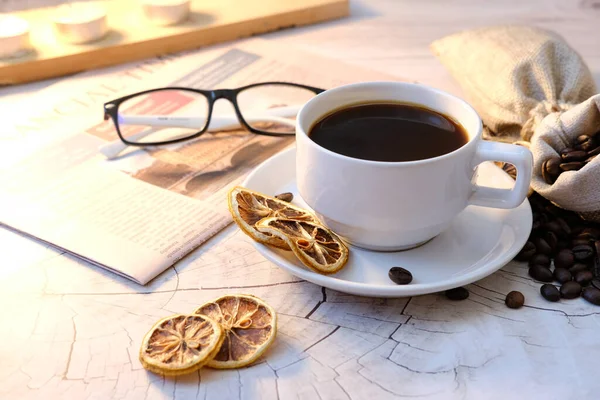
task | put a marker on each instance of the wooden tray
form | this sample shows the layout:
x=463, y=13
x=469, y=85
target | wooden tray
x=131, y=37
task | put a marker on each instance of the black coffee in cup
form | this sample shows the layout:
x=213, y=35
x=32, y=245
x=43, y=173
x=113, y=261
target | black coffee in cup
x=388, y=132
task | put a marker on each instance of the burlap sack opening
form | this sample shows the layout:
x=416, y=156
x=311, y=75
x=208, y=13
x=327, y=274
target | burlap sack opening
x=528, y=84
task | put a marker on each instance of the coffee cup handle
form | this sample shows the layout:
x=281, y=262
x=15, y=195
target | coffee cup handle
x=518, y=156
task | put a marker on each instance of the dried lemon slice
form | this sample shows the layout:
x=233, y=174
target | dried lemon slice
x=248, y=207
x=180, y=344
x=316, y=246
x=250, y=326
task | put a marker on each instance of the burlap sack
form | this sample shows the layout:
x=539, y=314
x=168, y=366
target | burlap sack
x=574, y=190
x=517, y=76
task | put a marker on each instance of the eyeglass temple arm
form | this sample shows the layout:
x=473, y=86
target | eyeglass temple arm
x=113, y=149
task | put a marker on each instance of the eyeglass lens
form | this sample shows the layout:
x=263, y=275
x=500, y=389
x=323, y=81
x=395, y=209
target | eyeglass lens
x=162, y=115
x=172, y=114
x=272, y=108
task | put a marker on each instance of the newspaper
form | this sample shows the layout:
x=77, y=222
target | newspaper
x=141, y=212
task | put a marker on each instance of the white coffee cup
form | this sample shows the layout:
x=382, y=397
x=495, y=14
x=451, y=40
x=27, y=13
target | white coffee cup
x=388, y=206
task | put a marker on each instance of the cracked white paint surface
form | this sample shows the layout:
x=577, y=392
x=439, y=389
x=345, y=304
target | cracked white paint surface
x=72, y=331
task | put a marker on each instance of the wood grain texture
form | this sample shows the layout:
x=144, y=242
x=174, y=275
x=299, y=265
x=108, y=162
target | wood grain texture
x=131, y=38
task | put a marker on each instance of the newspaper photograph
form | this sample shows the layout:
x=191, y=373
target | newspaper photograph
x=66, y=178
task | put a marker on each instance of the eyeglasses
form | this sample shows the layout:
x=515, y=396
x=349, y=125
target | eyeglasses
x=175, y=114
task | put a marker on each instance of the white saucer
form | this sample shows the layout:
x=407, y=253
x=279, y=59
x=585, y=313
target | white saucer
x=479, y=242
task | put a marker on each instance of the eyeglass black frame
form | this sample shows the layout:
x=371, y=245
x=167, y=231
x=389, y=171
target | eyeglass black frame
x=111, y=109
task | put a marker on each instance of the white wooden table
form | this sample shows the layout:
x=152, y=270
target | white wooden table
x=70, y=330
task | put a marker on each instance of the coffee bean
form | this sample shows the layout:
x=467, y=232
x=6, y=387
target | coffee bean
x=551, y=239
x=576, y=229
x=542, y=246
x=585, y=143
x=287, y=196
x=562, y=275
x=526, y=252
x=550, y=292
x=594, y=152
x=564, y=226
x=563, y=244
x=585, y=237
x=591, y=232
x=553, y=226
x=592, y=295
x=596, y=260
x=584, y=277
x=510, y=170
x=577, y=268
x=571, y=166
x=575, y=155
x=564, y=259
x=570, y=290
x=566, y=150
x=595, y=283
x=459, y=293
x=577, y=242
x=540, y=273
x=539, y=259
x=543, y=218
x=582, y=252
x=400, y=275
x=514, y=299
x=551, y=170
x=553, y=166
x=590, y=159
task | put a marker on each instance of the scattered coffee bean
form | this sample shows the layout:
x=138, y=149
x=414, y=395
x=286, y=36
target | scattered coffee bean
x=574, y=155
x=577, y=267
x=540, y=273
x=459, y=293
x=526, y=252
x=542, y=246
x=563, y=239
x=583, y=252
x=571, y=166
x=584, y=277
x=287, y=196
x=550, y=292
x=564, y=226
x=514, y=299
x=570, y=290
x=592, y=295
x=564, y=259
x=592, y=233
x=551, y=239
x=400, y=275
x=578, y=242
x=540, y=259
x=510, y=169
x=553, y=226
x=562, y=275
